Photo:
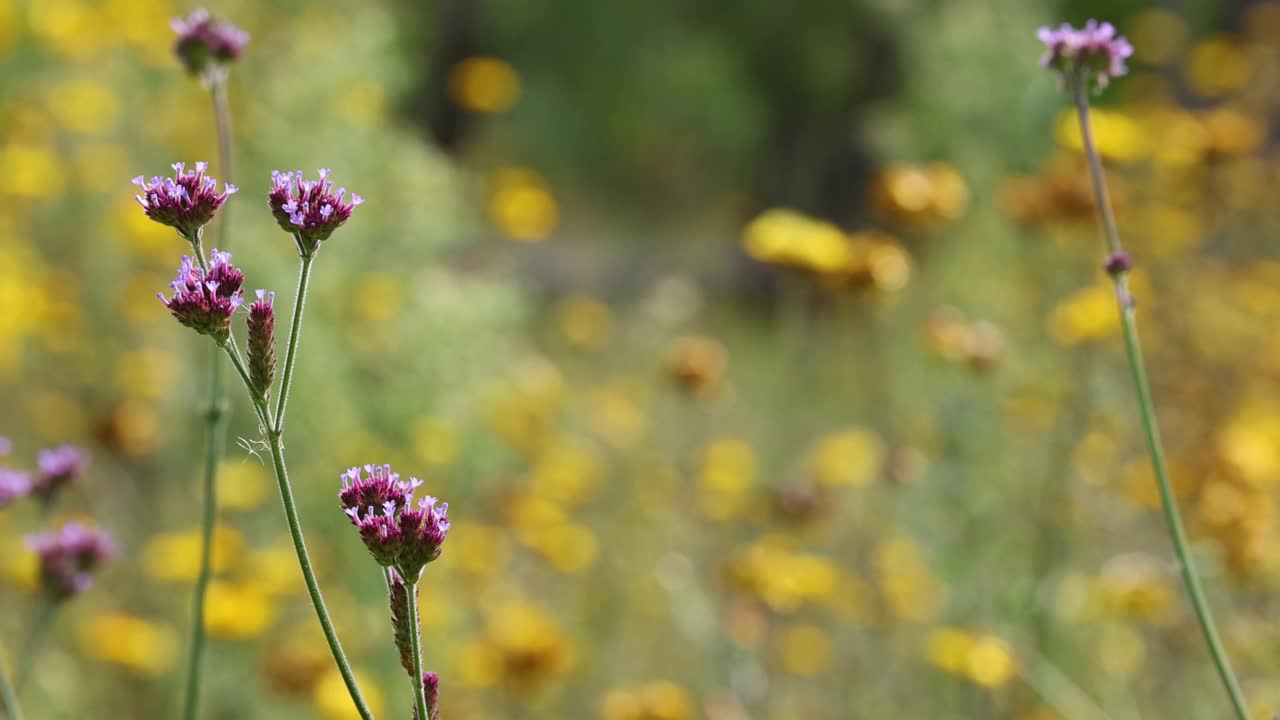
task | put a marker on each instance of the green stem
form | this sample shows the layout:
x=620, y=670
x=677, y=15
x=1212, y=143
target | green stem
x=216, y=434
x=35, y=636
x=419, y=692
x=309, y=575
x=1146, y=406
x=9, y=695
x=295, y=327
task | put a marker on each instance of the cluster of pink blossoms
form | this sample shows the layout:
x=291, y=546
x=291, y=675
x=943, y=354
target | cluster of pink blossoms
x=309, y=209
x=205, y=301
x=205, y=43
x=68, y=557
x=1095, y=50
x=399, y=532
x=186, y=202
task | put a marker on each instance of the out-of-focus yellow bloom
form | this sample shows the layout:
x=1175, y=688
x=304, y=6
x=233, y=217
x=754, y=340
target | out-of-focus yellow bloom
x=522, y=645
x=142, y=646
x=76, y=30
x=853, y=456
x=523, y=411
x=131, y=427
x=1135, y=587
x=484, y=84
x=1234, y=132
x=31, y=171
x=1217, y=66
x=615, y=416
x=697, y=363
x=1086, y=315
x=725, y=479
x=242, y=485
x=566, y=472
x=334, y=702
x=920, y=194
x=84, y=106
x=911, y=591
x=806, y=650
x=148, y=373
x=662, y=700
x=1115, y=134
x=19, y=565
x=571, y=548
x=792, y=239
x=238, y=611
x=1121, y=650
x=98, y=165
x=1158, y=36
x=294, y=664
x=147, y=238
x=984, y=659
x=273, y=569
x=1250, y=443
x=585, y=322
x=56, y=416
x=521, y=205
x=782, y=578
x=436, y=441
x=379, y=296
x=175, y=556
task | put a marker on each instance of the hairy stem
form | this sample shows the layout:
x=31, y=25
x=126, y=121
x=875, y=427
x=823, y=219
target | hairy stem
x=9, y=696
x=216, y=419
x=419, y=692
x=309, y=575
x=1146, y=407
x=295, y=327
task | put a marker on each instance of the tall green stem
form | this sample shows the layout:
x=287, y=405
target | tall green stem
x=35, y=638
x=9, y=695
x=295, y=327
x=1146, y=407
x=216, y=420
x=419, y=692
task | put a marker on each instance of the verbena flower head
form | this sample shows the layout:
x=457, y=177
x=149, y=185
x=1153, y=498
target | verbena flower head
x=186, y=202
x=13, y=485
x=398, y=531
x=204, y=43
x=56, y=468
x=1095, y=51
x=262, y=341
x=203, y=302
x=309, y=209
x=68, y=557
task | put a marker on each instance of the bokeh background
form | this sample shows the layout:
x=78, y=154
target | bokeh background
x=761, y=350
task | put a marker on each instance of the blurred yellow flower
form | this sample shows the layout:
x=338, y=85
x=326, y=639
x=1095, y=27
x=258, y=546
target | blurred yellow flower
x=1086, y=315
x=436, y=442
x=920, y=194
x=481, y=550
x=76, y=30
x=584, y=321
x=1158, y=36
x=84, y=106
x=147, y=373
x=1115, y=134
x=141, y=646
x=273, y=569
x=1217, y=66
x=662, y=700
x=522, y=645
x=521, y=205
x=727, y=474
x=484, y=84
x=697, y=365
x=984, y=659
x=782, y=578
x=334, y=702
x=175, y=556
x=911, y=591
x=237, y=611
x=792, y=239
x=31, y=171
x=852, y=456
x=243, y=485
x=566, y=472
x=19, y=565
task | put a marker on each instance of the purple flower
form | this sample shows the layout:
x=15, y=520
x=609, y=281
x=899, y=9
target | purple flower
x=203, y=302
x=1094, y=50
x=431, y=684
x=262, y=341
x=202, y=40
x=309, y=209
x=13, y=485
x=398, y=531
x=6, y=446
x=69, y=556
x=57, y=468
x=186, y=202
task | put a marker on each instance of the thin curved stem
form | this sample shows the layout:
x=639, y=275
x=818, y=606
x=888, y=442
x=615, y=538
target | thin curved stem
x=9, y=696
x=217, y=419
x=1146, y=407
x=309, y=575
x=35, y=637
x=419, y=692
x=295, y=328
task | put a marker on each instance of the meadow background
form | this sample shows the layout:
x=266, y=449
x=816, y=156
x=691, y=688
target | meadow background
x=761, y=350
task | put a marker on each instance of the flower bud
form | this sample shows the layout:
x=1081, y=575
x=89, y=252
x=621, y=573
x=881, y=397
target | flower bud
x=204, y=43
x=69, y=556
x=57, y=468
x=402, y=624
x=262, y=342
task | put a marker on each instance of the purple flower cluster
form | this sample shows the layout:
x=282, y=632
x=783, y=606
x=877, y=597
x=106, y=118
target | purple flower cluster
x=431, y=684
x=69, y=556
x=309, y=209
x=203, y=40
x=399, y=532
x=14, y=485
x=57, y=468
x=186, y=202
x=1094, y=50
x=205, y=302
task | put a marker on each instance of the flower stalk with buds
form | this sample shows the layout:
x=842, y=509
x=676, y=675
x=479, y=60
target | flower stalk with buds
x=1088, y=59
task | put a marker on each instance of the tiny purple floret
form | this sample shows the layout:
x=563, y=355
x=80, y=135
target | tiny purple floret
x=310, y=210
x=203, y=302
x=398, y=531
x=68, y=557
x=186, y=202
x=1095, y=50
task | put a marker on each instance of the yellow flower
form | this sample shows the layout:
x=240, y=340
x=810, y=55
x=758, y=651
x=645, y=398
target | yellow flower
x=436, y=441
x=243, y=485
x=661, y=700
x=84, y=106
x=697, y=364
x=521, y=205
x=334, y=701
x=990, y=662
x=792, y=239
x=521, y=645
x=1086, y=315
x=484, y=84
x=237, y=611
x=142, y=646
x=727, y=474
x=585, y=322
x=175, y=556
x=853, y=456
x=1217, y=66
x=806, y=650
x=31, y=171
